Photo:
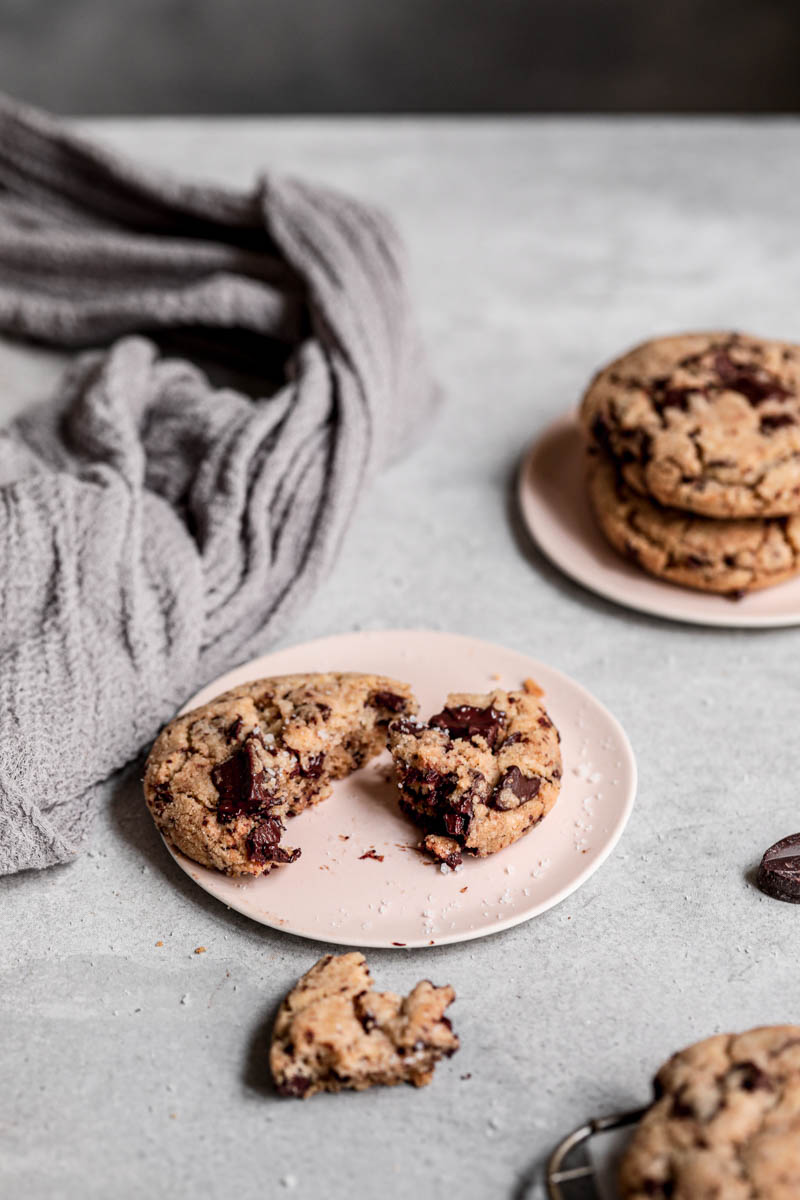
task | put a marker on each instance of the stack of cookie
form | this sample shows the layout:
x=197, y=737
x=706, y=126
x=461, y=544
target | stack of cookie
x=694, y=459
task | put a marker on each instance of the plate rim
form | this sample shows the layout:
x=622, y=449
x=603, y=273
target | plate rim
x=654, y=607
x=189, y=866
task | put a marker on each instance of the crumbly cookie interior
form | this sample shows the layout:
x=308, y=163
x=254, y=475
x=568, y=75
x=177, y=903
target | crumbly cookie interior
x=335, y=1032
x=478, y=774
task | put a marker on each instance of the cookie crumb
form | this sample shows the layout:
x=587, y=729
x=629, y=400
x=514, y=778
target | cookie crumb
x=159, y=943
x=371, y=853
x=532, y=687
x=200, y=950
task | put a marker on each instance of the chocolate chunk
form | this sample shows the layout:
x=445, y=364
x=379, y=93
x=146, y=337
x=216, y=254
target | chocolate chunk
x=408, y=727
x=514, y=738
x=163, y=796
x=263, y=843
x=455, y=825
x=601, y=434
x=389, y=700
x=752, y=381
x=372, y=853
x=468, y=722
x=674, y=398
x=452, y=861
x=365, y=1018
x=242, y=783
x=657, y=1189
x=779, y=872
x=435, y=787
x=313, y=767
x=682, y=1107
x=750, y=1078
x=234, y=729
x=297, y=1085
x=772, y=421
x=522, y=787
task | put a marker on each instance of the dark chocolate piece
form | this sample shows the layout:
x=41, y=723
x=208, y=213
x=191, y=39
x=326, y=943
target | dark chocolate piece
x=389, y=700
x=263, y=843
x=779, y=872
x=407, y=726
x=521, y=787
x=313, y=767
x=772, y=421
x=298, y=1085
x=752, y=381
x=242, y=783
x=466, y=721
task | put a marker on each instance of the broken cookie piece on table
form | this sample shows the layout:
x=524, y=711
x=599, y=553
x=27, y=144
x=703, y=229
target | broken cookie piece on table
x=335, y=1032
x=479, y=774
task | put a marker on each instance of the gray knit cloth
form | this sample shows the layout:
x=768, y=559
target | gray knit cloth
x=156, y=529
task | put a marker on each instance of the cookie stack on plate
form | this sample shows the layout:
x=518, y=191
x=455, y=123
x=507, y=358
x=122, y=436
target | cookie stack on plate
x=694, y=459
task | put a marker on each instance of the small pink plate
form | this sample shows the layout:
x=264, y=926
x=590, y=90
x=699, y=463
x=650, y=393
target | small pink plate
x=552, y=497
x=332, y=893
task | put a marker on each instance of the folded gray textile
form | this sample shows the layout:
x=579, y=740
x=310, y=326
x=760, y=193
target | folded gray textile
x=156, y=529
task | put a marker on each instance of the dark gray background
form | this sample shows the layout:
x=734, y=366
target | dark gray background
x=279, y=56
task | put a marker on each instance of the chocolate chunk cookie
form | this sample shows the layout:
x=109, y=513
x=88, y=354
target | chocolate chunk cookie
x=708, y=422
x=478, y=774
x=730, y=557
x=333, y=1031
x=725, y=1122
x=221, y=780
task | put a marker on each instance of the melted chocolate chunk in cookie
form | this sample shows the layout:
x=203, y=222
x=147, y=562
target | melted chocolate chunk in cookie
x=389, y=700
x=779, y=872
x=752, y=381
x=467, y=722
x=241, y=782
x=772, y=421
x=513, y=788
x=263, y=843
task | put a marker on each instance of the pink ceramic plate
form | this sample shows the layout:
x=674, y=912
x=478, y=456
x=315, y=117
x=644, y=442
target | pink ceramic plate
x=552, y=497
x=334, y=894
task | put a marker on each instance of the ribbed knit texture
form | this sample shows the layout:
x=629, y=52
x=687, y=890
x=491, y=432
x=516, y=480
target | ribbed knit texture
x=156, y=529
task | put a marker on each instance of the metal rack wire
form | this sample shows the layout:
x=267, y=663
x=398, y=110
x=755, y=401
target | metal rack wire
x=574, y=1180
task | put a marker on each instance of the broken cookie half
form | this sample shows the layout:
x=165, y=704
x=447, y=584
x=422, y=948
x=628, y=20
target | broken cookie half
x=220, y=780
x=334, y=1032
x=480, y=773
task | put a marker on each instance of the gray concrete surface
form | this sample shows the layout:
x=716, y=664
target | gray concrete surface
x=540, y=248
